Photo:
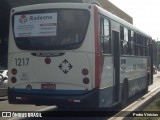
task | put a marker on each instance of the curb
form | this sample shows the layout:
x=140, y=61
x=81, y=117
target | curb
x=138, y=105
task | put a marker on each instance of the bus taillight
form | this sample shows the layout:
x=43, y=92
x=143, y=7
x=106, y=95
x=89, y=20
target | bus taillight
x=13, y=80
x=86, y=80
x=47, y=60
x=29, y=87
x=85, y=71
x=22, y=98
x=148, y=69
x=14, y=71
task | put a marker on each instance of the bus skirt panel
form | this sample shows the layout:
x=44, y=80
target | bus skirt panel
x=86, y=100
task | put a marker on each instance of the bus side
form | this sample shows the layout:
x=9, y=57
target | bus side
x=126, y=65
x=91, y=71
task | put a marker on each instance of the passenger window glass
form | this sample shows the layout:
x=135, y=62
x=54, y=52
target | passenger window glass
x=125, y=44
x=125, y=47
x=122, y=33
x=122, y=38
x=63, y=34
x=105, y=36
x=124, y=41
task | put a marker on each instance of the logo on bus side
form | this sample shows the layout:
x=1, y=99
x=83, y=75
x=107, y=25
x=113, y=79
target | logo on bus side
x=65, y=66
x=23, y=19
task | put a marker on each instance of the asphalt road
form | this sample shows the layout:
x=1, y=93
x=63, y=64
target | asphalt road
x=4, y=106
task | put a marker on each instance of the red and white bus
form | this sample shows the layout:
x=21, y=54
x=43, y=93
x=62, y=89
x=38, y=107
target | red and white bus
x=75, y=55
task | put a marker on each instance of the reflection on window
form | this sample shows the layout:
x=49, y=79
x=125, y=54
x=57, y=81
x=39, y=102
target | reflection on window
x=126, y=34
x=122, y=33
x=132, y=48
x=138, y=45
x=105, y=36
x=124, y=40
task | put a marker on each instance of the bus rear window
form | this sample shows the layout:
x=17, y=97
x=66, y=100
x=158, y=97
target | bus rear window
x=50, y=29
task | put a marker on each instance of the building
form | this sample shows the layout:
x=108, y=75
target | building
x=113, y=9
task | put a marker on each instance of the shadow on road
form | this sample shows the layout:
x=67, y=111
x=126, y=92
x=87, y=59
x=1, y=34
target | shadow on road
x=3, y=98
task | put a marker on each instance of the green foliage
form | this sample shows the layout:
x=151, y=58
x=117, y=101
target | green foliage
x=158, y=49
x=154, y=106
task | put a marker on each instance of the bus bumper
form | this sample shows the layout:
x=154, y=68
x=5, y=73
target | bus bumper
x=87, y=100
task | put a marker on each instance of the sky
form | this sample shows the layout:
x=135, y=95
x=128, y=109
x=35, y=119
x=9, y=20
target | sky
x=145, y=14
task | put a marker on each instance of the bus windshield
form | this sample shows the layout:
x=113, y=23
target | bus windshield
x=54, y=29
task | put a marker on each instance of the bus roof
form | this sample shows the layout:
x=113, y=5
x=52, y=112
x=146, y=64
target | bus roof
x=120, y=20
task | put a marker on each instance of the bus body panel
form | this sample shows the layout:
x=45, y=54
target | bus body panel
x=135, y=70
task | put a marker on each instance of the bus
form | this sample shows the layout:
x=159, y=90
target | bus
x=76, y=55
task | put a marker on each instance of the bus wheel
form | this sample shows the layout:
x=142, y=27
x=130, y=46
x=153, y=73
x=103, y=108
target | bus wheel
x=145, y=91
x=146, y=88
x=124, y=95
x=37, y=105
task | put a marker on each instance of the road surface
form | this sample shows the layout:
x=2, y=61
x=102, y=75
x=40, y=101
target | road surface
x=4, y=106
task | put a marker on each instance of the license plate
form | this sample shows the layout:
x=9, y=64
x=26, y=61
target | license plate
x=48, y=86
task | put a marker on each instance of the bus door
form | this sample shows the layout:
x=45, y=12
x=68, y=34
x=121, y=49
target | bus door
x=116, y=65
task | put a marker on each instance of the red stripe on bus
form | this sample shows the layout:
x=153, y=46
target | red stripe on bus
x=98, y=56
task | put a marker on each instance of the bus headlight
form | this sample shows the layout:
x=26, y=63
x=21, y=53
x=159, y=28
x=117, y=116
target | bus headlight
x=85, y=71
x=29, y=87
x=47, y=60
x=13, y=80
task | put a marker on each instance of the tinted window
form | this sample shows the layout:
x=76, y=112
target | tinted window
x=66, y=32
x=105, y=36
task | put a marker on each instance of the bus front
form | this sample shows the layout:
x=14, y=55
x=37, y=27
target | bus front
x=51, y=55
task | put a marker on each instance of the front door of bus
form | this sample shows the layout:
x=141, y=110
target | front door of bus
x=116, y=66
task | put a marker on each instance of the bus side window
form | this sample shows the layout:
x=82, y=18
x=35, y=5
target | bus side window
x=143, y=46
x=138, y=44
x=124, y=41
x=105, y=36
x=132, y=43
x=122, y=38
x=135, y=41
x=147, y=44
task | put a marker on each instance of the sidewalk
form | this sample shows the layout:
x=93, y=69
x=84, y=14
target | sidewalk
x=157, y=75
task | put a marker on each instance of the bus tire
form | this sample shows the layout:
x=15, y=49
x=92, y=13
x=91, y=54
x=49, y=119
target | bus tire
x=124, y=95
x=147, y=84
x=37, y=105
